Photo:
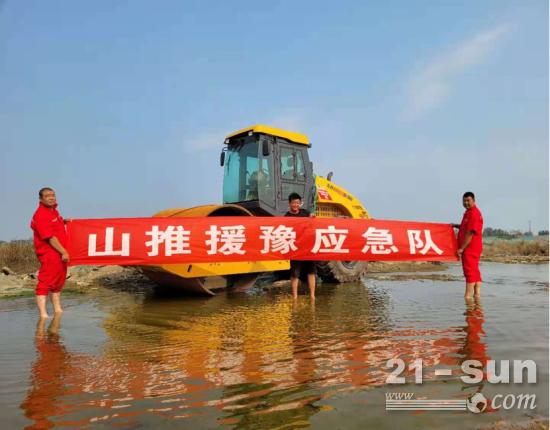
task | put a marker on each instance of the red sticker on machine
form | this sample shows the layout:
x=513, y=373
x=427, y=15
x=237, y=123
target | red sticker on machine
x=323, y=194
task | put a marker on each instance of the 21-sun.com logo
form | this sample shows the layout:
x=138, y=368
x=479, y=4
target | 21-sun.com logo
x=477, y=403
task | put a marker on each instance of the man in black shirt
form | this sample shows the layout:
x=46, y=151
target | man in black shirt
x=297, y=267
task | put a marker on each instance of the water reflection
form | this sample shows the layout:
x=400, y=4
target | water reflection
x=240, y=360
x=49, y=371
x=474, y=347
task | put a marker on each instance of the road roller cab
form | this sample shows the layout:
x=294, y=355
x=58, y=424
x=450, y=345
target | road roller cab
x=263, y=166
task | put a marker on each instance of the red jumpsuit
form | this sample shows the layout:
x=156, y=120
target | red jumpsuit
x=472, y=221
x=47, y=223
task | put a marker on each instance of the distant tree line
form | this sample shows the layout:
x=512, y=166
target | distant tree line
x=509, y=234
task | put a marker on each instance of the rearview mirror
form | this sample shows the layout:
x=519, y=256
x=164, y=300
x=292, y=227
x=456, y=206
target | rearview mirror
x=222, y=158
x=265, y=148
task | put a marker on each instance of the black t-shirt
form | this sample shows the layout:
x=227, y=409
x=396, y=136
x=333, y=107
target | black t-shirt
x=301, y=212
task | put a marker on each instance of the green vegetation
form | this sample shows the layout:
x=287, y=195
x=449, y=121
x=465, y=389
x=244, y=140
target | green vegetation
x=510, y=234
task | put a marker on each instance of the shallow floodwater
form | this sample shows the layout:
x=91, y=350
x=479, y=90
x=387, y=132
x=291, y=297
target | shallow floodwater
x=259, y=360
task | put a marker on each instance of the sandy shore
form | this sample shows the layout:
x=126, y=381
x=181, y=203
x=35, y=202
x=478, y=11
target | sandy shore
x=83, y=278
x=80, y=280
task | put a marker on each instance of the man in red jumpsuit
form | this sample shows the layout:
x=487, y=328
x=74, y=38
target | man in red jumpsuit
x=470, y=244
x=50, y=240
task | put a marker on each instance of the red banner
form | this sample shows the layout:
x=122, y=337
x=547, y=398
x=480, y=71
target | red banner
x=143, y=241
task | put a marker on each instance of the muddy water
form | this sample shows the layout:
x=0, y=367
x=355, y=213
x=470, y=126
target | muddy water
x=261, y=360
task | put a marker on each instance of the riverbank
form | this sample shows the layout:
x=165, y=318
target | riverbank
x=80, y=280
x=84, y=279
x=516, y=251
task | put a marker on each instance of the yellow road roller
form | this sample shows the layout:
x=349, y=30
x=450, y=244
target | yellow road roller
x=263, y=165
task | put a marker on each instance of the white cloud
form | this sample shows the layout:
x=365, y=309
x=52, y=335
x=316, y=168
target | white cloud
x=430, y=85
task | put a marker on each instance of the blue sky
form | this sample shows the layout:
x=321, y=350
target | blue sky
x=122, y=107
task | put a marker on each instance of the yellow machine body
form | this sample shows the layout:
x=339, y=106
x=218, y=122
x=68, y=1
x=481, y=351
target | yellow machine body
x=330, y=199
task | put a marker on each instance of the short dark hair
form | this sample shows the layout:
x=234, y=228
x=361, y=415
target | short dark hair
x=294, y=196
x=43, y=190
x=469, y=194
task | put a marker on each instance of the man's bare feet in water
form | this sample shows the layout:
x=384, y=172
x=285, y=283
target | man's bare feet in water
x=311, y=284
x=56, y=302
x=41, y=304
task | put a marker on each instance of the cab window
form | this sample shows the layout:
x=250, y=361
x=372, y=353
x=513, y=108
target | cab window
x=287, y=163
x=300, y=170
